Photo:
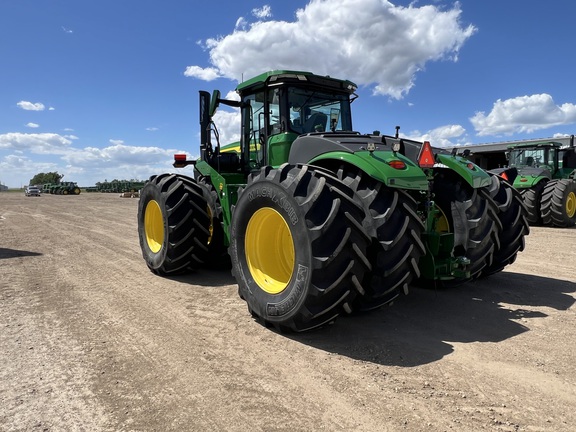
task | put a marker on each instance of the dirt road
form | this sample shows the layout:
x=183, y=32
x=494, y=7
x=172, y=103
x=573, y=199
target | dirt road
x=91, y=340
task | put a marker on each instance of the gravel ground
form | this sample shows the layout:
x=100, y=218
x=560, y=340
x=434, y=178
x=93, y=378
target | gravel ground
x=93, y=341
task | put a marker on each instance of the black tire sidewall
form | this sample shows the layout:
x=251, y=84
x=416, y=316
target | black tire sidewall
x=151, y=192
x=272, y=307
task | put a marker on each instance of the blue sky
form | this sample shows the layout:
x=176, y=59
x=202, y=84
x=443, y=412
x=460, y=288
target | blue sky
x=109, y=89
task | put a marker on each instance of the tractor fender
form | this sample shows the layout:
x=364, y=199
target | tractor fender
x=331, y=150
x=377, y=165
x=475, y=176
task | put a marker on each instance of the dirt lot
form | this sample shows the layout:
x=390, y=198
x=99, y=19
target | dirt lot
x=92, y=341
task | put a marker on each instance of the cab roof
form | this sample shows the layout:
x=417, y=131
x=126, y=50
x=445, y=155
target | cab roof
x=278, y=76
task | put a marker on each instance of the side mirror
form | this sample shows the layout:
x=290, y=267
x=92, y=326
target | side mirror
x=214, y=102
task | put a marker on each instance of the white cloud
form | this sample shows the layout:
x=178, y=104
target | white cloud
x=32, y=125
x=151, y=129
x=371, y=42
x=42, y=143
x=241, y=24
x=443, y=136
x=67, y=30
x=84, y=165
x=206, y=74
x=228, y=124
x=263, y=12
x=523, y=114
x=29, y=106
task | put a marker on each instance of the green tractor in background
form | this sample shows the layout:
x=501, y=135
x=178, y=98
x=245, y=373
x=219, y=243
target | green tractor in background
x=318, y=220
x=46, y=188
x=547, y=181
x=65, y=188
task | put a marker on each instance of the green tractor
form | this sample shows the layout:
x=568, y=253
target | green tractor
x=46, y=188
x=547, y=181
x=68, y=188
x=317, y=220
x=63, y=188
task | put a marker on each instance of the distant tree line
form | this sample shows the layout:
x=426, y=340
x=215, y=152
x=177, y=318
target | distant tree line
x=43, y=178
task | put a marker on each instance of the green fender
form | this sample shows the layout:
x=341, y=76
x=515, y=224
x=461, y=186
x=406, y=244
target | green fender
x=377, y=165
x=528, y=181
x=469, y=171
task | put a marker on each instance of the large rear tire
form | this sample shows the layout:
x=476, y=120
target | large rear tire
x=513, y=225
x=559, y=203
x=471, y=216
x=297, y=247
x=532, y=198
x=172, y=224
x=396, y=231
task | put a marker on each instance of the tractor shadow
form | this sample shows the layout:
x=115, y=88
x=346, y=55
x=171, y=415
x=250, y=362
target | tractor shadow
x=207, y=277
x=6, y=253
x=421, y=327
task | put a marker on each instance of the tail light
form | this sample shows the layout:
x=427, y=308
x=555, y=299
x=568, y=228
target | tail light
x=397, y=164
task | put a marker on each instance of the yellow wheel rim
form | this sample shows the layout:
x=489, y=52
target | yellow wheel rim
x=442, y=225
x=571, y=204
x=154, y=226
x=269, y=249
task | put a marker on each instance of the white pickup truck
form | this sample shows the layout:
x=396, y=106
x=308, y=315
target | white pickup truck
x=32, y=191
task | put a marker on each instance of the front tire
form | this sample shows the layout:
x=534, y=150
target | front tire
x=172, y=224
x=297, y=247
x=559, y=203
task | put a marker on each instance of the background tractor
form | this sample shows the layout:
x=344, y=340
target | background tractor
x=318, y=220
x=547, y=181
x=64, y=188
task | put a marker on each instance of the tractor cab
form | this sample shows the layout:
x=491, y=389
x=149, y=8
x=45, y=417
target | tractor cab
x=548, y=159
x=276, y=107
x=542, y=155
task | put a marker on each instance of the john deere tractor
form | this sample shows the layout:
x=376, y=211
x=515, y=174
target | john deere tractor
x=546, y=181
x=317, y=219
x=65, y=188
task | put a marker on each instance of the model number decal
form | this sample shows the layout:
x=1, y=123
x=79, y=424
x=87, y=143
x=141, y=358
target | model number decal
x=279, y=198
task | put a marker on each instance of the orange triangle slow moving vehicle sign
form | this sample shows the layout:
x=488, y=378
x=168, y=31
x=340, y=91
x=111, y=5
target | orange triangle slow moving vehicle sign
x=426, y=157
